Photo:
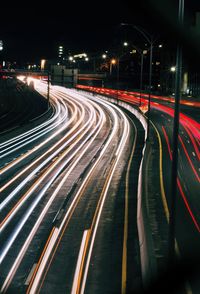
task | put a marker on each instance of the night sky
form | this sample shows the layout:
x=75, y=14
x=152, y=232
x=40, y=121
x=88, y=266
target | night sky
x=35, y=30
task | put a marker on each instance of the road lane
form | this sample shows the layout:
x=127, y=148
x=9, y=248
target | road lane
x=54, y=180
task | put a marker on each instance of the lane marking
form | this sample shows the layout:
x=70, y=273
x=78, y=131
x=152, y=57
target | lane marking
x=32, y=283
x=126, y=213
x=99, y=210
x=80, y=262
x=30, y=275
x=164, y=200
x=166, y=209
x=179, y=184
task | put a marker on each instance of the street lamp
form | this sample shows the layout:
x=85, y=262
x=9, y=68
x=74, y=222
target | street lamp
x=173, y=69
x=48, y=89
x=172, y=84
x=142, y=53
x=150, y=39
x=1, y=45
x=112, y=62
x=42, y=64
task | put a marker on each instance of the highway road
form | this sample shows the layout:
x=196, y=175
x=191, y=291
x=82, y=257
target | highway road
x=157, y=179
x=65, y=198
x=187, y=228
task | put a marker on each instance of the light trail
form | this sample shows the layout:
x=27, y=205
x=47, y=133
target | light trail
x=191, y=214
x=36, y=148
x=98, y=212
x=21, y=185
x=35, y=282
x=33, y=134
x=55, y=163
x=46, y=153
x=22, y=252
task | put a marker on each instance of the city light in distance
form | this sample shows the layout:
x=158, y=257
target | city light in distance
x=113, y=61
x=173, y=69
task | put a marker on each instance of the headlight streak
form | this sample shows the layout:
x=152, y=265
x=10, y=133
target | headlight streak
x=34, y=285
x=31, y=190
x=40, y=218
x=22, y=157
x=36, y=148
x=32, y=164
x=33, y=137
x=50, y=149
x=30, y=210
x=55, y=115
x=57, y=106
x=89, y=123
x=119, y=151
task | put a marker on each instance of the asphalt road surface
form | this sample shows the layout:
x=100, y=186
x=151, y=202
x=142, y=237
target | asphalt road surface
x=65, y=199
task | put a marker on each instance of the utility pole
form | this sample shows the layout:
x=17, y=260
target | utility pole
x=48, y=89
x=150, y=84
x=141, y=76
x=174, y=173
x=117, y=80
x=150, y=39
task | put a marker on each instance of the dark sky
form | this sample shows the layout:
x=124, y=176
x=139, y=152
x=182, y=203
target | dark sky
x=35, y=29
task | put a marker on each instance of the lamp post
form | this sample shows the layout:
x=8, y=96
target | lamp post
x=112, y=62
x=150, y=39
x=141, y=52
x=48, y=88
x=172, y=215
x=172, y=86
x=1, y=49
x=117, y=80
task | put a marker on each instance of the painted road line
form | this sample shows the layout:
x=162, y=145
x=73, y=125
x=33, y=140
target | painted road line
x=30, y=275
x=166, y=209
x=124, y=252
x=80, y=263
x=42, y=262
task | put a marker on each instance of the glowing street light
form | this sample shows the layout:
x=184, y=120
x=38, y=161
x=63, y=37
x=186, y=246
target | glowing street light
x=112, y=62
x=1, y=45
x=42, y=64
x=104, y=56
x=125, y=44
x=173, y=69
x=150, y=39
